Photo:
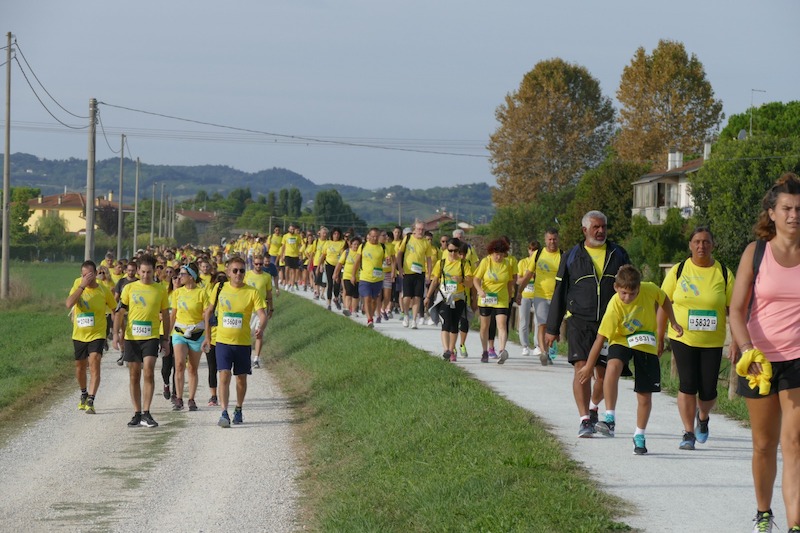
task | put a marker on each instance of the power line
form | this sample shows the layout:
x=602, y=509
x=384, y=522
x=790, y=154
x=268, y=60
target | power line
x=298, y=138
x=42, y=103
x=100, y=120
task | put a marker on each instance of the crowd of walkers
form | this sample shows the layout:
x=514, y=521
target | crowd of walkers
x=182, y=303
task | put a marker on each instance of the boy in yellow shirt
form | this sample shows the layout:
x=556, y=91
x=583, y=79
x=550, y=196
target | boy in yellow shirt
x=629, y=325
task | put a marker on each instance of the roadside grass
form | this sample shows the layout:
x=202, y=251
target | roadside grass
x=396, y=440
x=36, y=358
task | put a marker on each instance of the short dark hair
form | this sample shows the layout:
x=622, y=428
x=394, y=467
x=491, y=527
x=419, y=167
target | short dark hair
x=628, y=277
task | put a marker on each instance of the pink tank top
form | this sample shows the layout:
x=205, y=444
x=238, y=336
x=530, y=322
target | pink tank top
x=774, y=323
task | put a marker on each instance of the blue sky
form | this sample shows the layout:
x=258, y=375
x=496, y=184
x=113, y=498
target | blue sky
x=416, y=76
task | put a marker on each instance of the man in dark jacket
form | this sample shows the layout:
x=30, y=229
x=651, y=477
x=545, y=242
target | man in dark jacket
x=584, y=286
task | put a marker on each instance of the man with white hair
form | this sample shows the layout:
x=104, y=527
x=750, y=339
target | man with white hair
x=584, y=286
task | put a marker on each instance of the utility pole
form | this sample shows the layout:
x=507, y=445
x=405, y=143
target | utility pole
x=152, y=214
x=119, y=200
x=136, y=211
x=161, y=212
x=6, y=246
x=88, y=252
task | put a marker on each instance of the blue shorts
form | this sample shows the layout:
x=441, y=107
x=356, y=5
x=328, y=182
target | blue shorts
x=233, y=357
x=194, y=345
x=369, y=289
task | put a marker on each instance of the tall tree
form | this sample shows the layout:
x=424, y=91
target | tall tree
x=283, y=202
x=19, y=214
x=667, y=102
x=552, y=129
x=295, y=202
x=773, y=118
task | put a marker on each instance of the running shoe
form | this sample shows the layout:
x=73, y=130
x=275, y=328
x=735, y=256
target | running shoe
x=339, y=305
x=90, y=407
x=763, y=522
x=167, y=394
x=593, y=418
x=485, y=357
x=701, y=428
x=429, y=322
x=526, y=351
x=414, y=323
x=224, y=420
x=606, y=427
x=463, y=351
x=446, y=355
x=346, y=312
x=82, y=402
x=536, y=351
x=136, y=421
x=120, y=361
x=385, y=315
x=639, y=447
x=688, y=441
x=453, y=357
x=213, y=402
x=370, y=323
x=585, y=431
x=544, y=358
x=256, y=363
x=329, y=308
x=492, y=354
x=147, y=420
x=237, y=416
x=503, y=357
x=378, y=319
x=192, y=405
x=405, y=321
x=173, y=398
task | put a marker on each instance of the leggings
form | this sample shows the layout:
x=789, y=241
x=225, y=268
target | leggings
x=698, y=369
x=167, y=365
x=211, y=359
x=333, y=287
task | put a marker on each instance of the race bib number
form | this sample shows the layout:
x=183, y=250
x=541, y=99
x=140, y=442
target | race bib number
x=490, y=299
x=529, y=287
x=643, y=338
x=449, y=287
x=232, y=320
x=291, y=240
x=85, y=320
x=604, y=349
x=140, y=328
x=377, y=273
x=702, y=320
x=416, y=268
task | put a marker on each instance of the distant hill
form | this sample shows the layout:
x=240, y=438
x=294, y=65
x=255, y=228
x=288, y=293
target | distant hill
x=471, y=203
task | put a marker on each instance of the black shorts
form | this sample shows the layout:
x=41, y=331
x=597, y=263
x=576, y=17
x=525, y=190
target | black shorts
x=136, y=351
x=413, y=285
x=580, y=338
x=785, y=376
x=350, y=289
x=292, y=262
x=493, y=311
x=83, y=349
x=647, y=375
x=698, y=369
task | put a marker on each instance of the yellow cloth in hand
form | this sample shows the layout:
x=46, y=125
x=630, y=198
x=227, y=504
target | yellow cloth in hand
x=762, y=380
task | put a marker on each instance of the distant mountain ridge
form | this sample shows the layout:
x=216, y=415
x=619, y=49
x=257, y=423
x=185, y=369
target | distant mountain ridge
x=470, y=202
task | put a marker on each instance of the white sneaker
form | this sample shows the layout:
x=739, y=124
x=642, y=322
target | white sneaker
x=536, y=351
x=414, y=322
x=525, y=351
x=405, y=321
x=429, y=322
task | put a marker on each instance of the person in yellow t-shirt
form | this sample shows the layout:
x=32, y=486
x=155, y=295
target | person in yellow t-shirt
x=262, y=282
x=274, y=243
x=629, y=326
x=118, y=271
x=318, y=262
x=415, y=251
x=525, y=271
x=188, y=332
x=236, y=304
x=494, y=282
x=308, y=252
x=450, y=279
x=345, y=274
x=290, y=255
x=146, y=306
x=88, y=301
x=329, y=259
x=700, y=294
x=368, y=273
x=385, y=301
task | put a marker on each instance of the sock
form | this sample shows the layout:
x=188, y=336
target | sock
x=610, y=413
x=593, y=406
x=83, y=392
x=639, y=431
x=91, y=397
x=584, y=418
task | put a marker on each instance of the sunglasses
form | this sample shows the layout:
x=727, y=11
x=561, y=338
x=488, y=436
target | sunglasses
x=159, y=266
x=452, y=250
x=237, y=270
x=258, y=264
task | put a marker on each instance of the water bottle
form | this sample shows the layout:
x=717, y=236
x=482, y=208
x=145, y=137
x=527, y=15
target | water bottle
x=553, y=351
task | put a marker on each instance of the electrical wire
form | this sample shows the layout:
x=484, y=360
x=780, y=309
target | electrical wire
x=19, y=49
x=43, y=104
x=100, y=120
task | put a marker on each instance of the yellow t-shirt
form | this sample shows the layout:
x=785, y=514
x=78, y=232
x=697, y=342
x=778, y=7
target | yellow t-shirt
x=546, y=270
x=189, y=304
x=452, y=269
x=275, y=242
x=108, y=284
x=145, y=303
x=292, y=243
x=261, y=282
x=346, y=260
x=309, y=251
x=415, y=253
x=523, y=266
x=116, y=277
x=234, y=309
x=371, y=262
x=319, y=247
x=333, y=251
x=388, y=258
x=699, y=300
x=494, y=280
x=633, y=324
x=89, y=312
x=598, y=256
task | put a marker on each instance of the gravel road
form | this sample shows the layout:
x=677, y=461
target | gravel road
x=70, y=471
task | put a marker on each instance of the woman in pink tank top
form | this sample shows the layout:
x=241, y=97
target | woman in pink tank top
x=773, y=328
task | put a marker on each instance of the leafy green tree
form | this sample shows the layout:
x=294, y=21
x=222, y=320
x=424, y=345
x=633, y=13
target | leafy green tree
x=552, y=129
x=729, y=187
x=283, y=203
x=19, y=214
x=330, y=210
x=201, y=196
x=774, y=118
x=51, y=232
x=295, y=202
x=255, y=216
x=186, y=231
x=272, y=203
x=667, y=102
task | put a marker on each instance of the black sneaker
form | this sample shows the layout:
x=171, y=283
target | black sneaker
x=166, y=392
x=586, y=429
x=593, y=418
x=120, y=362
x=178, y=405
x=192, y=405
x=147, y=421
x=639, y=447
x=136, y=421
x=606, y=427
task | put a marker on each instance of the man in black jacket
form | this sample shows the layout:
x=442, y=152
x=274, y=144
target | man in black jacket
x=584, y=286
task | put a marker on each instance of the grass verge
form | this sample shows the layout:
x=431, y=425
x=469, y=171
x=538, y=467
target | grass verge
x=397, y=441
